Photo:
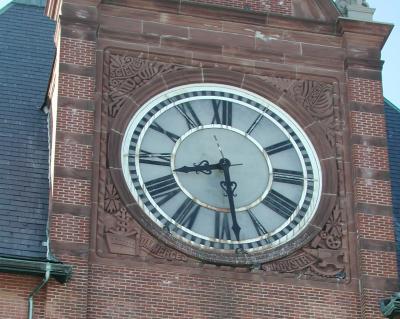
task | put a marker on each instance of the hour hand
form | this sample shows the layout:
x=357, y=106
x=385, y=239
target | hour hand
x=203, y=167
x=229, y=187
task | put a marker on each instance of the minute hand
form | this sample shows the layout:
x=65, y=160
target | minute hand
x=227, y=186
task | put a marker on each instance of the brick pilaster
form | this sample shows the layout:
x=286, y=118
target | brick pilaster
x=372, y=192
x=71, y=199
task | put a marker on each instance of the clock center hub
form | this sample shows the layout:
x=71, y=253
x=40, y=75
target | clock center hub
x=214, y=147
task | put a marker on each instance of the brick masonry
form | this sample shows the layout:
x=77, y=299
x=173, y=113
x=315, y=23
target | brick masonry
x=69, y=228
x=366, y=91
x=376, y=227
x=74, y=120
x=77, y=52
x=115, y=288
x=379, y=263
x=275, y=6
x=14, y=292
x=74, y=155
x=76, y=86
x=370, y=157
x=173, y=295
x=368, y=124
x=71, y=191
x=370, y=298
x=69, y=301
x=373, y=191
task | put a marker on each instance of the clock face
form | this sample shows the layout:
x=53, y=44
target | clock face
x=221, y=169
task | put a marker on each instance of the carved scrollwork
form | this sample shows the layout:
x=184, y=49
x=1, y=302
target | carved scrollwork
x=316, y=97
x=323, y=257
x=126, y=74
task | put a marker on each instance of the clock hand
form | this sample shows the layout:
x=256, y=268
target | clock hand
x=203, y=167
x=229, y=187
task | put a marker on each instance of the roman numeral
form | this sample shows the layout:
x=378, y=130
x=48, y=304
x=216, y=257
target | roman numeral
x=278, y=147
x=173, y=137
x=254, y=124
x=163, y=188
x=288, y=177
x=186, y=110
x=161, y=159
x=280, y=204
x=222, y=112
x=187, y=213
x=261, y=231
x=222, y=229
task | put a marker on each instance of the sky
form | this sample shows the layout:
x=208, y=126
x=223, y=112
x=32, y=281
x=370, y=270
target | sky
x=389, y=11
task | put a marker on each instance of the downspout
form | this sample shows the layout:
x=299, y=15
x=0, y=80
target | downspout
x=37, y=289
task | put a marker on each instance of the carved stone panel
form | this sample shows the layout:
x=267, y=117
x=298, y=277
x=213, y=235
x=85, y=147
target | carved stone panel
x=126, y=73
x=324, y=256
x=118, y=232
x=315, y=97
x=124, y=236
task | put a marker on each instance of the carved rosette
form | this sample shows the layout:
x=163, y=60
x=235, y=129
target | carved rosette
x=126, y=74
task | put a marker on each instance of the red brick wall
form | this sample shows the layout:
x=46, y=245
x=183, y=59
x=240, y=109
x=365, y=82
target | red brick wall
x=160, y=294
x=71, y=191
x=77, y=51
x=373, y=191
x=370, y=299
x=76, y=86
x=368, y=124
x=379, y=263
x=14, y=293
x=69, y=301
x=365, y=90
x=114, y=288
x=377, y=256
x=370, y=157
x=275, y=6
x=74, y=120
x=75, y=155
x=376, y=227
x=69, y=228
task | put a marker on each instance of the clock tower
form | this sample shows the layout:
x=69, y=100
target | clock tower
x=219, y=159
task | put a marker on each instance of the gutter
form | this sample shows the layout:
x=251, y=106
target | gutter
x=390, y=308
x=59, y=271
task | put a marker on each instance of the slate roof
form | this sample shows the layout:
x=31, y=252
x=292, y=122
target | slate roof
x=393, y=136
x=26, y=55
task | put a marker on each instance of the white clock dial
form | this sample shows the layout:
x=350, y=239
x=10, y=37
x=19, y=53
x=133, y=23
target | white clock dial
x=221, y=168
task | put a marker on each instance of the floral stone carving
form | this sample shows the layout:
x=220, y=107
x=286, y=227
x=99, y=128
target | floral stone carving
x=315, y=97
x=126, y=74
x=125, y=236
x=324, y=256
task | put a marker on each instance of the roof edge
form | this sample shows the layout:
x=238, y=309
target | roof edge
x=37, y=3
x=4, y=5
x=387, y=102
x=61, y=272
